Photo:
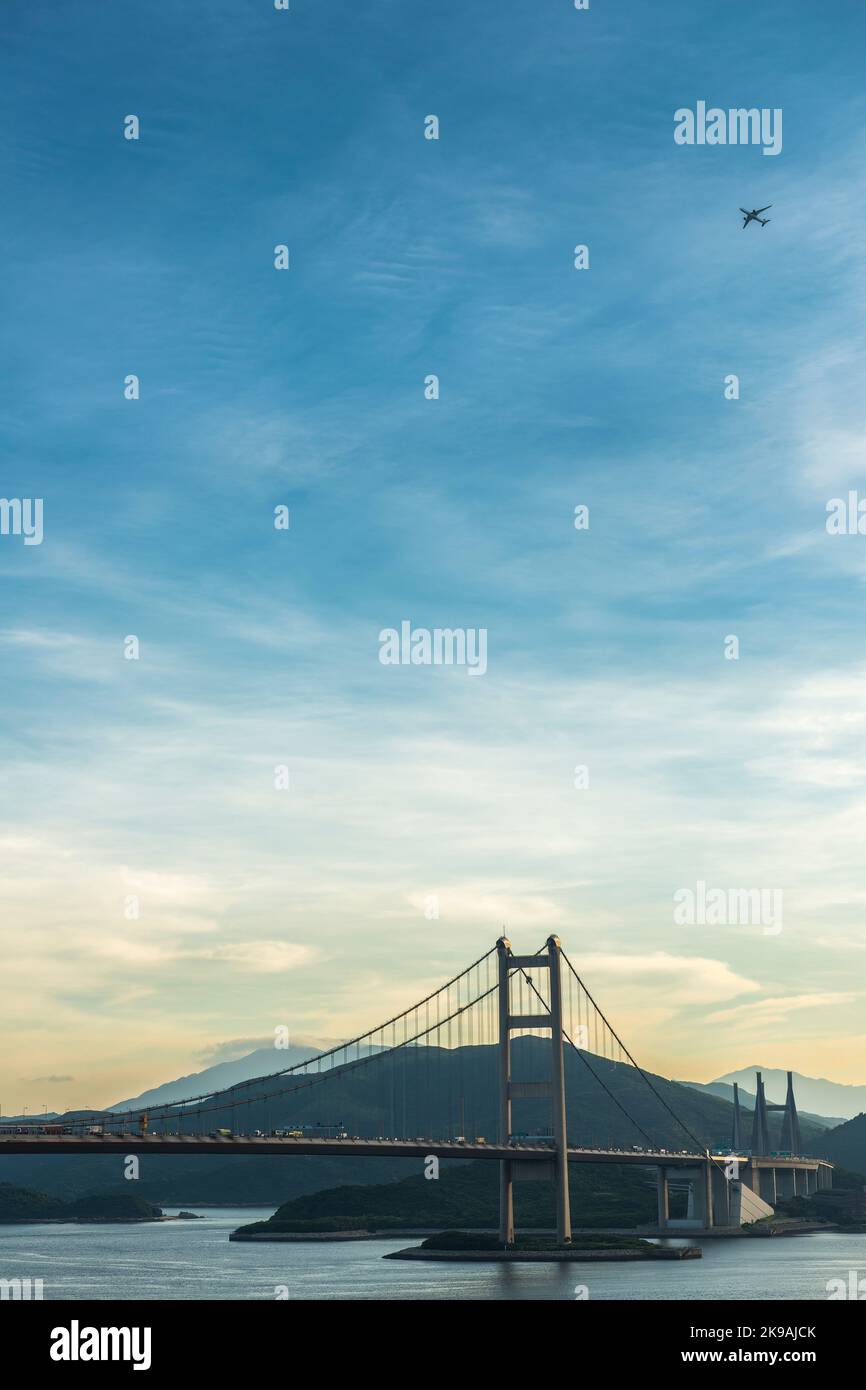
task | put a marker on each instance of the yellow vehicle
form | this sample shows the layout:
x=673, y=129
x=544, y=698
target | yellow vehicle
x=479, y=1139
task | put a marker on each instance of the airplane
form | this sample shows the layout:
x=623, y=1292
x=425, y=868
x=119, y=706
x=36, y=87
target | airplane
x=753, y=216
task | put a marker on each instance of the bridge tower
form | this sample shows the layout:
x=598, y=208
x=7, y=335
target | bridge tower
x=737, y=1130
x=510, y=1090
x=760, y=1134
x=790, y=1138
x=791, y=1122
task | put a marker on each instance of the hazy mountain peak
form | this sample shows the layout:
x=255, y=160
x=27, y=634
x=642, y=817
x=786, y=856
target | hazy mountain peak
x=816, y=1094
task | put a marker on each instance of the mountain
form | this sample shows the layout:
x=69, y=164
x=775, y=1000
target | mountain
x=222, y=1075
x=847, y=1144
x=444, y=1092
x=414, y=1092
x=820, y=1096
x=197, y=1179
x=424, y=1091
x=725, y=1091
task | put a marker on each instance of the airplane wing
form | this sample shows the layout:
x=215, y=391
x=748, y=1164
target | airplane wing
x=766, y=209
x=744, y=212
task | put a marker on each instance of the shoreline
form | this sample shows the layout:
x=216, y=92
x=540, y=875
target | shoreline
x=95, y=1220
x=669, y=1252
x=416, y=1252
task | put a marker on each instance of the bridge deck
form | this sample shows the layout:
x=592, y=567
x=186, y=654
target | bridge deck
x=367, y=1148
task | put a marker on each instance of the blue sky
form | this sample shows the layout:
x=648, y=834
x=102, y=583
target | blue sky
x=305, y=388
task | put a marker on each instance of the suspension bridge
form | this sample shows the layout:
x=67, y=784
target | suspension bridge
x=507, y=1040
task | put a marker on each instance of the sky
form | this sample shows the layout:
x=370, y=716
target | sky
x=417, y=790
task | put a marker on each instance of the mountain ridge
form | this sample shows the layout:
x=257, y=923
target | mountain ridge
x=815, y=1094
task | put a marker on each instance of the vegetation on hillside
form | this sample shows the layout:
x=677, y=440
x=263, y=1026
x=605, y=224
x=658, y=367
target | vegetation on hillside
x=20, y=1204
x=474, y=1240
x=602, y=1195
x=846, y=1144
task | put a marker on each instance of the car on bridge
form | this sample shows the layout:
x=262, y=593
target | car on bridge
x=36, y=1129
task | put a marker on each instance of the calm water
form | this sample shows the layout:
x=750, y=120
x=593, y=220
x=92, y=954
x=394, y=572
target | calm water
x=194, y=1260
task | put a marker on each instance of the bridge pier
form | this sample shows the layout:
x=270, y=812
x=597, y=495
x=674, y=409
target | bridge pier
x=699, y=1205
x=721, y=1202
x=506, y=1203
x=766, y=1185
x=708, y=1192
x=663, y=1198
x=699, y=1212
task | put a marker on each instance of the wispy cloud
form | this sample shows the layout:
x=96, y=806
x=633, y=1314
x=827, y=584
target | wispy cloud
x=154, y=780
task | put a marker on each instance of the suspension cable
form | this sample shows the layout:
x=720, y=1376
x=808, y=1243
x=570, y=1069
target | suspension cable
x=683, y=1126
x=594, y=1073
x=310, y=1080
x=161, y=1110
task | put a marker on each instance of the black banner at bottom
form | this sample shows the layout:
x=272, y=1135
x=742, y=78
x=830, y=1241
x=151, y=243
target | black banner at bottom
x=338, y=1338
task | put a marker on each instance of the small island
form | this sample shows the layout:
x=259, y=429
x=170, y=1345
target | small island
x=465, y=1197
x=473, y=1246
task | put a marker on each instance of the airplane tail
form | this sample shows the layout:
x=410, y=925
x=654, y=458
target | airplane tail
x=765, y=220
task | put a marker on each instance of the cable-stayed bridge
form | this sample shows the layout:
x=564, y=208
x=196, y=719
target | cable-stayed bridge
x=480, y=1068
